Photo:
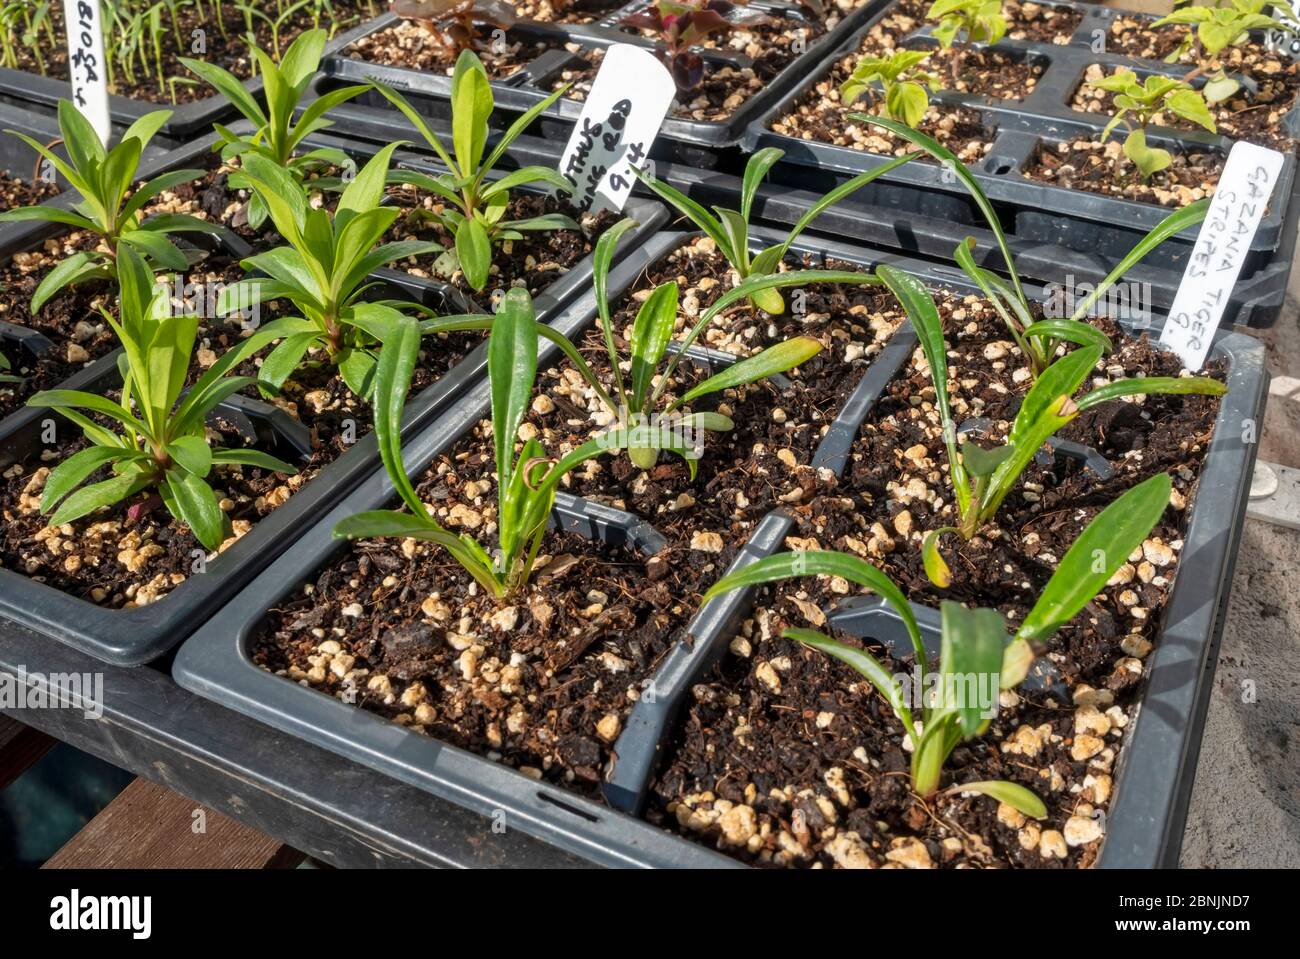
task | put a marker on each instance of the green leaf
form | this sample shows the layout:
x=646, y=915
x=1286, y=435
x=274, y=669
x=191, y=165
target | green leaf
x=181, y=223
x=981, y=462
x=527, y=175
x=357, y=367
x=76, y=399
x=1151, y=385
x=312, y=118
x=768, y=260
x=82, y=142
x=301, y=61
x=366, y=190
x=474, y=250
x=756, y=169
x=1062, y=378
x=1175, y=223
x=1102, y=547
x=775, y=359
x=651, y=332
x=47, y=214
x=156, y=248
x=147, y=127
x=1190, y=105
x=1216, y=90
x=601, y=258
x=251, y=457
x=1013, y=794
x=191, y=453
x=229, y=86
x=105, y=493
x=280, y=363
x=1148, y=159
x=512, y=370
x=936, y=567
x=1073, y=331
x=745, y=291
x=193, y=503
x=417, y=121
x=950, y=161
x=77, y=268
x=907, y=102
x=392, y=381
x=696, y=214
x=74, y=471
x=919, y=306
x=970, y=650
x=1016, y=660
x=737, y=230
x=471, y=106
x=824, y=563
x=520, y=125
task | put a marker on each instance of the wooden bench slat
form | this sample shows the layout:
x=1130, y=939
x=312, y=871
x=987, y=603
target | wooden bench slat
x=151, y=827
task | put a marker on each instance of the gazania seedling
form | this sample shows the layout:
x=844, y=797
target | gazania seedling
x=730, y=229
x=161, y=440
x=103, y=178
x=526, y=483
x=277, y=137
x=982, y=478
x=897, y=81
x=476, y=204
x=324, y=271
x=974, y=642
x=1038, y=340
x=1143, y=101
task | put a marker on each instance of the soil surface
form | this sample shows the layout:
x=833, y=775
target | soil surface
x=1255, y=118
x=821, y=116
x=419, y=46
x=566, y=11
x=315, y=395
x=229, y=49
x=132, y=553
x=1103, y=168
x=542, y=681
x=815, y=772
x=16, y=192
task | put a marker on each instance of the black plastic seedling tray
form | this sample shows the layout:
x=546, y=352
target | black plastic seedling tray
x=1157, y=764
x=38, y=93
x=887, y=222
x=1156, y=768
x=1032, y=212
x=696, y=142
x=1154, y=777
x=131, y=637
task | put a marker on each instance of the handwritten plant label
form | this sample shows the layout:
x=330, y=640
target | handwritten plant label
x=1221, y=247
x=85, y=25
x=628, y=102
x=1283, y=41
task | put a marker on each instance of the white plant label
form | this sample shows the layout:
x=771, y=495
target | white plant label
x=1221, y=247
x=628, y=102
x=85, y=25
x=1283, y=41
